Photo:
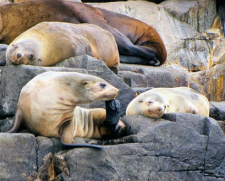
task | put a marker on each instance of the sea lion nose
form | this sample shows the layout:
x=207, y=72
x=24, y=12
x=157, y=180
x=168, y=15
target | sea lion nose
x=160, y=109
x=19, y=55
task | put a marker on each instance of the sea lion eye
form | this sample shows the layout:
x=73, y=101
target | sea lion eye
x=150, y=102
x=30, y=56
x=19, y=55
x=102, y=85
x=85, y=82
x=140, y=101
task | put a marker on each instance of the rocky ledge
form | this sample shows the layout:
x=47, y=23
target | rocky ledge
x=175, y=147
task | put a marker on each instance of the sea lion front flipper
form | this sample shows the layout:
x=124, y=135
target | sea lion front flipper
x=67, y=137
x=17, y=121
x=112, y=113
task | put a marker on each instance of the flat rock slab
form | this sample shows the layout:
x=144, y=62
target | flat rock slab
x=15, y=77
x=17, y=156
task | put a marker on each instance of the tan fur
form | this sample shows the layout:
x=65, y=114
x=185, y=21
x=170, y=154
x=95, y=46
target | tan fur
x=48, y=103
x=49, y=43
x=157, y=101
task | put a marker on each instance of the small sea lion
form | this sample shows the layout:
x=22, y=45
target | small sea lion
x=48, y=43
x=133, y=37
x=47, y=106
x=157, y=101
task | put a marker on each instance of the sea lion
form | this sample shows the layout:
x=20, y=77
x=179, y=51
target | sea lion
x=157, y=101
x=48, y=43
x=133, y=37
x=47, y=106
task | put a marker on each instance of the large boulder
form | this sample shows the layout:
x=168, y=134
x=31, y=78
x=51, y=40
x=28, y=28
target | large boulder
x=15, y=77
x=177, y=147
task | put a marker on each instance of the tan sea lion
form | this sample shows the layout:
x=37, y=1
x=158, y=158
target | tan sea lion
x=47, y=107
x=49, y=43
x=157, y=101
x=133, y=37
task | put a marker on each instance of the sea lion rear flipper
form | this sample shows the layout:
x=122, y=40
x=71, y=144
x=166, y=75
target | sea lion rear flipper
x=67, y=137
x=17, y=121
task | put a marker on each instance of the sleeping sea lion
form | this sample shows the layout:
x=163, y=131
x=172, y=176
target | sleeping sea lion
x=47, y=106
x=157, y=101
x=133, y=37
x=48, y=43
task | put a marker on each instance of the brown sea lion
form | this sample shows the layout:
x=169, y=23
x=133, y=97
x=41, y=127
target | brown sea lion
x=47, y=107
x=133, y=37
x=48, y=43
x=157, y=101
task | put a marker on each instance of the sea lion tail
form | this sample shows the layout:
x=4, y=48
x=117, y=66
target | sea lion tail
x=17, y=121
x=71, y=145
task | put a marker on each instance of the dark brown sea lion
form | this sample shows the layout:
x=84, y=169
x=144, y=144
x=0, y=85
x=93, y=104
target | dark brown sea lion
x=133, y=37
x=47, y=106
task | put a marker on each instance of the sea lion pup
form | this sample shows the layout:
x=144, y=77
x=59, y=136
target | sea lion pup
x=133, y=37
x=47, y=106
x=49, y=43
x=157, y=101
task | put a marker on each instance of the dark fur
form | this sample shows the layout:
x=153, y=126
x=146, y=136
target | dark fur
x=133, y=37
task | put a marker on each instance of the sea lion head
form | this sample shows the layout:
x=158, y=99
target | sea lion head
x=95, y=89
x=150, y=105
x=85, y=88
x=21, y=53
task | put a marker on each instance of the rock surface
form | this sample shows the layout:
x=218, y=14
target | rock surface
x=172, y=148
x=175, y=147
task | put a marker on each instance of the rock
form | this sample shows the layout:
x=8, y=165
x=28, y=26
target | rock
x=178, y=147
x=210, y=82
x=218, y=56
x=3, y=49
x=6, y=124
x=217, y=110
x=15, y=77
x=147, y=76
x=195, y=13
x=17, y=157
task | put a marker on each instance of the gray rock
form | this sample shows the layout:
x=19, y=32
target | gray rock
x=6, y=124
x=15, y=77
x=17, y=157
x=196, y=13
x=217, y=110
x=147, y=76
x=3, y=49
x=177, y=147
